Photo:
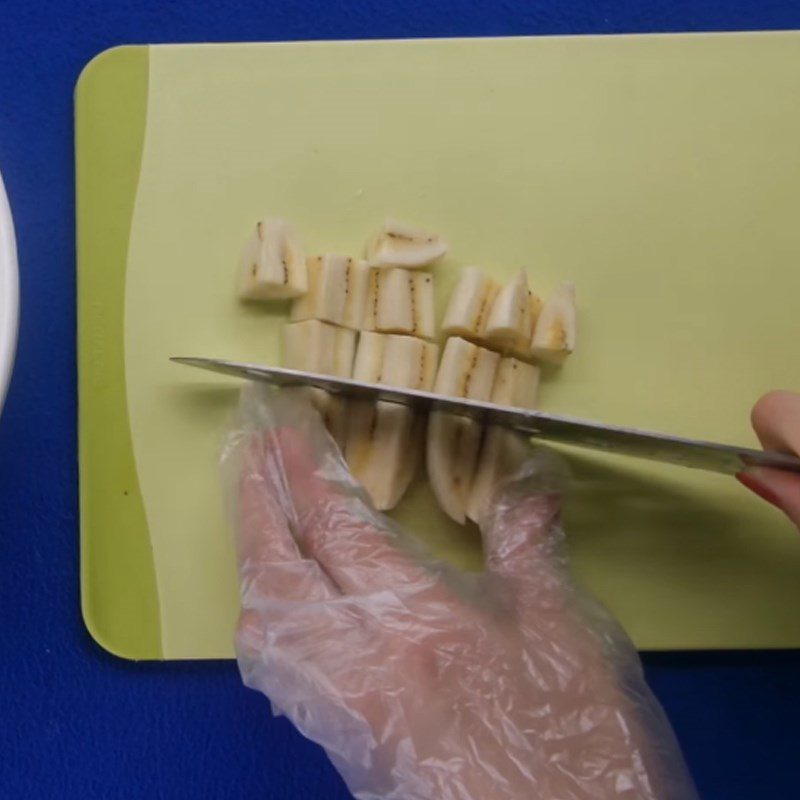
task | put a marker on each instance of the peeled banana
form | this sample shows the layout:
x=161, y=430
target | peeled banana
x=337, y=290
x=470, y=305
x=398, y=244
x=273, y=264
x=554, y=335
x=516, y=383
x=466, y=370
x=383, y=439
x=400, y=301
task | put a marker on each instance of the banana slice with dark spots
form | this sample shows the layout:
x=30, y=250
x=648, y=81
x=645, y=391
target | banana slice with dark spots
x=273, y=263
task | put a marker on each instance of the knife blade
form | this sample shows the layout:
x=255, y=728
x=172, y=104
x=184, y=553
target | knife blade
x=557, y=428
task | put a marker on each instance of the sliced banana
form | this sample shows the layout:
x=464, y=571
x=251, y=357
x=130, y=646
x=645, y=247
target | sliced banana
x=388, y=308
x=422, y=304
x=508, y=326
x=273, y=264
x=398, y=244
x=337, y=290
x=494, y=332
x=383, y=443
x=412, y=459
x=320, y=347
x=377, y=450
x=400, y=301
x=554, y=335
x=466, y=370
x=469, y=305
x=368, y=363
x=394, y=360
x=516, y=383
x=314, y=346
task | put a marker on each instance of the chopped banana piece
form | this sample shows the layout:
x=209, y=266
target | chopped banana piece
x=470, y=305
x=337, y=290
x=503, y=451
x=377, y=450
x=395, y=360
x=466, y=370
x=380, y=450
x=394, y=312
x=273, y=264
x=398, y=244
x=508, y=326
x=554, y=335
x=516, y=384
x=409, y=362
x=400, y=301
x=368, y=364
x=422, y=305
x=314, y=346
x=412, y=459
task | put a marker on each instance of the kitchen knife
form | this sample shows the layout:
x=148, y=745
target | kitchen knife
x=557, y=428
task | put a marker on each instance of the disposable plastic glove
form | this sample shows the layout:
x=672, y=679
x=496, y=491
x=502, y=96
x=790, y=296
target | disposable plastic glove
x=418, y=681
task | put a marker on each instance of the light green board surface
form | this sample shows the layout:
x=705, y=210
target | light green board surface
x=660, y=173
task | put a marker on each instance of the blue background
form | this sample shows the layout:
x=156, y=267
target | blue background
x=76, y=722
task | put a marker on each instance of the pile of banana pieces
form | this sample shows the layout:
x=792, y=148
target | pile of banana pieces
x=373, y=319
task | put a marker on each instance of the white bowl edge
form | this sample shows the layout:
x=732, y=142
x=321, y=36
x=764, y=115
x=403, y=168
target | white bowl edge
x=9, y=293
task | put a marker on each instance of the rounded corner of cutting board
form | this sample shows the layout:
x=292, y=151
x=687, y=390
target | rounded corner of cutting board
x=107, y=637
x=110, y=59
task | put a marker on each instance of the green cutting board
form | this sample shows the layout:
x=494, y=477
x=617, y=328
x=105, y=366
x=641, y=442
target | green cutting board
x=660, y=173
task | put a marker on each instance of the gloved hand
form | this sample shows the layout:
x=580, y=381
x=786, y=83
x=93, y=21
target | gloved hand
x=418, y=681
x=776, y=420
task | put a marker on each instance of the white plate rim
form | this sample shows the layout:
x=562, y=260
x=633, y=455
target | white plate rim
x=9, y=293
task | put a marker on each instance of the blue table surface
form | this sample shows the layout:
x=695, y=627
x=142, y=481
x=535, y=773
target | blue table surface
x=77, y=722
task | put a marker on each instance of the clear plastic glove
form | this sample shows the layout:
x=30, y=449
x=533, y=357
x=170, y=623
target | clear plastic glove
x=418, y=681
x=776, y=420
